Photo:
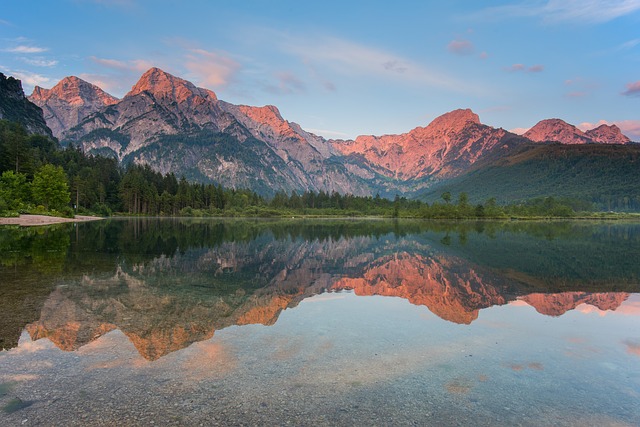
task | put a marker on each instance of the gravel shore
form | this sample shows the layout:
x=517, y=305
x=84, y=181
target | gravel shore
x=33, y=220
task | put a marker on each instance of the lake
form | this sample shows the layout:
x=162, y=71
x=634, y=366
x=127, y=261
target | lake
x=320, y=322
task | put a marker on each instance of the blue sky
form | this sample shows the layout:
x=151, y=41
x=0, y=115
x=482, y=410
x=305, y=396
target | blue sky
x=344, y=68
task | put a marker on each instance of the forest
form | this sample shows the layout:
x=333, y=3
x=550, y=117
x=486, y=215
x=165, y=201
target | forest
x=38, y=176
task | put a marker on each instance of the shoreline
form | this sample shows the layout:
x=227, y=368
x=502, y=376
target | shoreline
x=36, y=220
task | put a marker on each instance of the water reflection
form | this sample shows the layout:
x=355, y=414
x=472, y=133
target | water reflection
x=169, y=283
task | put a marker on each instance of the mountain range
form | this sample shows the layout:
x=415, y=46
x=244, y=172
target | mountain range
x=174, y=126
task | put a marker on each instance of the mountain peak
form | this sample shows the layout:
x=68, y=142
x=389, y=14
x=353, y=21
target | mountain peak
x=164, y=85
x=607, y=134
x=455, y=120
x=74, y=91
x=556, y=130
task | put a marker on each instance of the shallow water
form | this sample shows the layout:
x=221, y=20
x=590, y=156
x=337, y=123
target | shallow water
x=336, y=322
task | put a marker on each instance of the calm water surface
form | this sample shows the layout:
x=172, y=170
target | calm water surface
x=335, y=322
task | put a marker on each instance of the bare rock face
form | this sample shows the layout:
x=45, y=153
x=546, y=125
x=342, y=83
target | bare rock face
x=309, y=156
x=15, y=107
x=69, y=102
x=557, y=130
x=447, y=146
x=174, y=126
x=607, y=134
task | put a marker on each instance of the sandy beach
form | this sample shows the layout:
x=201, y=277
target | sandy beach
x=33, y=220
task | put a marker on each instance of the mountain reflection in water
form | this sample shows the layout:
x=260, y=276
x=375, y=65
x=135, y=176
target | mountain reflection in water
x=169, y=283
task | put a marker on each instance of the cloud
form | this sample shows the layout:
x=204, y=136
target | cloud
x=40, y=62
x=633, y=89
x=628, y=44
x=138, y=65
x=26, y=49
x=109, y=83
x=515, y=68
x=7, y=23
x=483, y=55
x=349, y=58
x=287, y=84
x=576, y=94
x=631, y=128
x=211, y=69
x=394, y=66
x=29, y=79
x=563, y=11
x=461, y=47
x=325, y=83
x=519, y=131
x=116, y=76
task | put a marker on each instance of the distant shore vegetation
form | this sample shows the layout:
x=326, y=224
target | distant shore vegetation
x=38, y=177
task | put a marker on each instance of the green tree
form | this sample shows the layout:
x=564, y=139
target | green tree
x=446, y=196
x=50, y=188
x=14, y=190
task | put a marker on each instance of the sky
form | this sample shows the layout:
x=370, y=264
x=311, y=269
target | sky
x=346, y=68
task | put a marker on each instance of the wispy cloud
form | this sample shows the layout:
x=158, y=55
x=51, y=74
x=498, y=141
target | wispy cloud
x=632, y=89
x=630, y=44
x=39, y=61
x=461, y=47
x=211, y=69
x=287, y=83
x=26, y=49
x=580, y=87
x=109, y=83
x=519, y=131
x=138, y=65
x=562, y=11
x=350, y=58
x=29, y=79
x=4, y=22
x=325, y=83
x=114, y=75
x=515, y=68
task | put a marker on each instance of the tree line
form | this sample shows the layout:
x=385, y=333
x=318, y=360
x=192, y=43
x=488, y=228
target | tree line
x=38, y=176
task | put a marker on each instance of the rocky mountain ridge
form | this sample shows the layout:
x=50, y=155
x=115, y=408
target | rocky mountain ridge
x=15, y=107
x=69, y=102
x=556, y=130
x=174, y=126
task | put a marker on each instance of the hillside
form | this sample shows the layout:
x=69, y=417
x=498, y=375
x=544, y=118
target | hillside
x=606, y=175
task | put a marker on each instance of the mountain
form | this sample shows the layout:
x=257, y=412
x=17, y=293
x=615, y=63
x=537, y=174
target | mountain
x=15, y=107
x=174, y=126
x=607, y=134
x=314, y=161
x=443, y=149
x=68, y=102
x=604, y=174
x=556, y=130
